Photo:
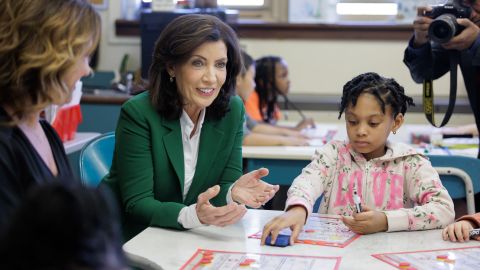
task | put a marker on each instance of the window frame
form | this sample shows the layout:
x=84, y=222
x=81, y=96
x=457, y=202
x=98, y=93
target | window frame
x=266, y=5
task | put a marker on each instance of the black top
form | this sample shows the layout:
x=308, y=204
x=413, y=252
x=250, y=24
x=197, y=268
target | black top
x=21, y=167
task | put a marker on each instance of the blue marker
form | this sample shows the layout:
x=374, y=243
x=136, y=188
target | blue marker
x=283, y=240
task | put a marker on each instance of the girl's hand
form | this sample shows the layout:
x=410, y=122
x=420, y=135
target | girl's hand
x=305, y=123
x=366, y=222
x=294, y=218
x=218, y=216
x=458, y=231
x=293, y=133
x=251, y=190
x=294, y=141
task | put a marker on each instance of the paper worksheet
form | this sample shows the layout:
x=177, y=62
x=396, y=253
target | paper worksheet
x=320, y=136
x=213, y=259
x=325, y=231
x=456, y=258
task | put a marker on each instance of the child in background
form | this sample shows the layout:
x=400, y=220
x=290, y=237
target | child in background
x=398, y=187
x=271, y=81
x=262, y=134
x=460, y=230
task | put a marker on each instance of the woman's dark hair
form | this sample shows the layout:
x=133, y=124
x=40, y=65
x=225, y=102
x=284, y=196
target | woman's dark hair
x=247, y=61
x=175, y=46
x=266, y=88
x=386, y=91
x=62, y=226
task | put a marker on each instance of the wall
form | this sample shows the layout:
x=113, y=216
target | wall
x=112, y=48
x=324, y=66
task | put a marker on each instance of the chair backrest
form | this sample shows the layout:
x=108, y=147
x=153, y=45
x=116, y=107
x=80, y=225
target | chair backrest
x=96, y=159
x=460, y=175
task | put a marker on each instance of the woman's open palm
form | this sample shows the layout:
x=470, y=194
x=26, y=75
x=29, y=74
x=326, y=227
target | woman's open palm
x=251, y=190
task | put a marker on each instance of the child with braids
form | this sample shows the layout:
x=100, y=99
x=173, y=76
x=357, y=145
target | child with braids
x=259, y=133
x=398, y=187
x=271, y=79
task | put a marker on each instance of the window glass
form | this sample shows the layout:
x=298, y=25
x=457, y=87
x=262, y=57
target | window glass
x=332, y=11
x=227, y=3
x=240, y=3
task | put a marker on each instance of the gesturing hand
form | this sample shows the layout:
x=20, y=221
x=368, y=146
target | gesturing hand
x=251, y=190
x=366, y=222
x=218, y=216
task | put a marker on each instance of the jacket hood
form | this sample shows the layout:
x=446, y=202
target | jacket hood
x=394, y=151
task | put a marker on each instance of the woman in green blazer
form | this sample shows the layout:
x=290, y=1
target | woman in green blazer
x=178, y=155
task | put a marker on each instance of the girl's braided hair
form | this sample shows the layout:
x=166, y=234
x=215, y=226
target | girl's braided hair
x=265, y=84
x=386, y=90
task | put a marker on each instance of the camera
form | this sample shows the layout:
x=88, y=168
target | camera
x=444, y=26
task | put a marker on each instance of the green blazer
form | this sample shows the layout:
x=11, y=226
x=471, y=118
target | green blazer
x=147, y=172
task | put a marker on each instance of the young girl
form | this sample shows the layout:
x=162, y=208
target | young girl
x=460, y=230
x=398, y=188
x=271, y=80
x=262, y=134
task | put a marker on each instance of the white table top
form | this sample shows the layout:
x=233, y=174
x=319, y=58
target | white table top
x=81, y=138
x=157, y=248
x=306, y=152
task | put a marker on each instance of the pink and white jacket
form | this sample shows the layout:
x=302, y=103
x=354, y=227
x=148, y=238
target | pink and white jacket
x=402, y=184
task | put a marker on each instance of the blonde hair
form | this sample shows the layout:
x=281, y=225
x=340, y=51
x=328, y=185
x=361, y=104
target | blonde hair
x=40, y=41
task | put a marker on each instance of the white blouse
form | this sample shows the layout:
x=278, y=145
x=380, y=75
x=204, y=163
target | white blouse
x=188, y=215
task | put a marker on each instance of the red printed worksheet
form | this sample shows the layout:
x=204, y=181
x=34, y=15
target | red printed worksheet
x=212, y=259
x=456, y=258
x=325, y=231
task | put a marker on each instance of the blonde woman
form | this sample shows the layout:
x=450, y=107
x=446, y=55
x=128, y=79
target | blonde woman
x=44, y=50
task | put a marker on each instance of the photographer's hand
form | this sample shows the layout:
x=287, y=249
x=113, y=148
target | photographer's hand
x=466, y=38
x=420, y=27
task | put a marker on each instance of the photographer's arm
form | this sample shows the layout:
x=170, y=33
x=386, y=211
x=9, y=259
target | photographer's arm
x=466, y=39
x=475, y=50
x=426, y=62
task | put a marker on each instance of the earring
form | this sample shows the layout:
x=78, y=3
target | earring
x=394, y=132
x=171, y=79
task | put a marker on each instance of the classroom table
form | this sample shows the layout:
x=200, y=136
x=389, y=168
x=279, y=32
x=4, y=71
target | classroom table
x=286, y=162
x=81, y=138
x=157, y=248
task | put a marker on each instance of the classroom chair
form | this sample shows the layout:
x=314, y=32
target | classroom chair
x=460, y=175
x=96, y=158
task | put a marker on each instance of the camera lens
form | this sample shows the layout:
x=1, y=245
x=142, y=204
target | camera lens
x=443, y=28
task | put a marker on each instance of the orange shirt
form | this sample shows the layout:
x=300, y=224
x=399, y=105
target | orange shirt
x=252, y=109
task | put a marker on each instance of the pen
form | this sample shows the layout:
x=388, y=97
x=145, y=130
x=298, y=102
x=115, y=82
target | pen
x=357, y=201
x=288, y=102
x=446, y=136
x=474, y=232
